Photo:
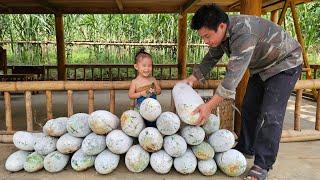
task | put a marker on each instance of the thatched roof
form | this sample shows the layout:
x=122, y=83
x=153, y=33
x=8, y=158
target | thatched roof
x=123, y=6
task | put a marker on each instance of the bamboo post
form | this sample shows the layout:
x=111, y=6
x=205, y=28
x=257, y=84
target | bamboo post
x=297, y=110
x=70, y=103
x=300, y=37
x=274, y=16
x=301, y=41
x=60, y=47
x=118, y=73
x=3, y=60
x=283, y=12
x=182, y=46
x=90, y=101
x=161, y=72
x=101, y=78
x=112, y=102
x=317, y=126
x=29, y=111
x=49, y=105
x=47, y=73
x=92, y=74
x=7, y=102
x=110, y=74
x=127, y=73
x=249, y=7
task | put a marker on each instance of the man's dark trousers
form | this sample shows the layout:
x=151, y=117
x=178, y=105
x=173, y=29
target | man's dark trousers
x=262, y=115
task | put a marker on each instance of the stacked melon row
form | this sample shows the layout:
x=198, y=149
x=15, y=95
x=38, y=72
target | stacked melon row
x=99, y=139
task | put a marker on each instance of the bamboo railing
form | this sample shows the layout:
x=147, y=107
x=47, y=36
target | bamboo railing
x=116, y=72
x=70, y=87
x=99, y=72
x=297, y=134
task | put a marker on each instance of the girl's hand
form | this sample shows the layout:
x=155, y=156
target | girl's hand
x=152, y=91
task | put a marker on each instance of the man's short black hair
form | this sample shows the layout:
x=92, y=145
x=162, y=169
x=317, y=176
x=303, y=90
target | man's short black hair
x=209, y=16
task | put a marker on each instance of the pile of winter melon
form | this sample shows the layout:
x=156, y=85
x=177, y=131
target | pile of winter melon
x=100, y=138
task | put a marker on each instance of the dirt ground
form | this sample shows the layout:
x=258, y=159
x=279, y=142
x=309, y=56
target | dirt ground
x=295, y=160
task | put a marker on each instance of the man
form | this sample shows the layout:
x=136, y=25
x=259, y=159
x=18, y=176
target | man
x=274, y=61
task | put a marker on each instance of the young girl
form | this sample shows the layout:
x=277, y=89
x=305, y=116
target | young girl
x=144, y=85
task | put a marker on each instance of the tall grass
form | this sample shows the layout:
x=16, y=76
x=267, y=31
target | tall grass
x=155, y=28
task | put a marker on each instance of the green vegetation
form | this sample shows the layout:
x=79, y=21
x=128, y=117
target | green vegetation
x=139, y=28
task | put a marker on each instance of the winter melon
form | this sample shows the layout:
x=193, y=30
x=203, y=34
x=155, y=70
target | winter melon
x=102, y=122
x=132, y=123
x=168, y=123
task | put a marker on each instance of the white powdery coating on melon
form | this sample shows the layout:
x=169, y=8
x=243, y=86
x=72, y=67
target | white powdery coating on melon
x=186, y=101
x=106, y=162
x=102, y=122
x=55, y=161
x=231, y=162
x=16, y=160
x=212, y=125
x=193, y=135
x=161, y=162
x=150, y=139
x=207, y=167
x=93, y=144
x=81, y=161
x=24, y=140
x=185, y=164
x=137, y=159
x=78, y=125
x=118, y=142
x=56, y=127
x=203, y=151
x=34, y=162
x=175, y=145
x=132, y=123
x=222, y=140
x=68, y=144
x=168, y=123
x=150, y=109
x=45, y=144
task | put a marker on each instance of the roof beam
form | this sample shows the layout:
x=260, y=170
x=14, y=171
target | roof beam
x=47, y=5
x=2, y=5
x=279, y=5
x=188, y=6
x=120, y=5
x=234, y=5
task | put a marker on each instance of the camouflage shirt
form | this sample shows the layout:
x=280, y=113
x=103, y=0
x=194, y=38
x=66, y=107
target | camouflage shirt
x=254, y=43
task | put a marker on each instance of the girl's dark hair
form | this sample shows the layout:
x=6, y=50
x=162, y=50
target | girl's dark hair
x=209, y=16
x=141, y=54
